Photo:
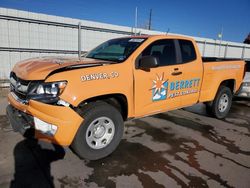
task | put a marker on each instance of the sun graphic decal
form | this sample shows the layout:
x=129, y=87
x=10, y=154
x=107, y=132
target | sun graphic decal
x=159, y=88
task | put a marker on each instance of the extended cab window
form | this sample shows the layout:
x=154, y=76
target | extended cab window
x=163, y=50
x=187, y=51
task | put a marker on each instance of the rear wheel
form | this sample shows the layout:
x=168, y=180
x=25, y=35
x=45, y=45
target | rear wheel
x=221, y=105
x=100, y=132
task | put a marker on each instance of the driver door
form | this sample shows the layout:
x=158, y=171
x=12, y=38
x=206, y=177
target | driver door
x=152, y=87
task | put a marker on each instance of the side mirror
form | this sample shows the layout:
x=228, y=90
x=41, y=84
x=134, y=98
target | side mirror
x=148, y=62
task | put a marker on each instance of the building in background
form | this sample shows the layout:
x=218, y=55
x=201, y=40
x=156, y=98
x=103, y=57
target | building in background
x=247, y=40
x=26, y=34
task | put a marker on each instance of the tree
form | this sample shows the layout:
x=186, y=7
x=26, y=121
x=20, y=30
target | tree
x=247, y=40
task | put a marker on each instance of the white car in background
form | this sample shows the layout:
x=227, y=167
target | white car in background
x=245, y=86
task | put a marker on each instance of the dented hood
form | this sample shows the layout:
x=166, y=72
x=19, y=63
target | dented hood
x=40, y=68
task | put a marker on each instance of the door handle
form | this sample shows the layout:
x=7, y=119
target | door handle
x=176, y=69
x=176, y=73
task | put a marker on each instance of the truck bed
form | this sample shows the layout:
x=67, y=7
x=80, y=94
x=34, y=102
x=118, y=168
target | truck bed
x=217, y=69
x=216, y=59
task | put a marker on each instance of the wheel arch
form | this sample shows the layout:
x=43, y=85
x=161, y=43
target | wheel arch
x=230, y=83
x=117, y=100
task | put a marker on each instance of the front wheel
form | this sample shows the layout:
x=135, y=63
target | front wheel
x=100, y=133
x=221, y=104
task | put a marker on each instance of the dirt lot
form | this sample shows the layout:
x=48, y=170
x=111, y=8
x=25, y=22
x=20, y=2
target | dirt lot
x=182, y=148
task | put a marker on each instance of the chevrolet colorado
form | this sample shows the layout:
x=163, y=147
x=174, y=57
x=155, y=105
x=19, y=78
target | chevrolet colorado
x=84, y=103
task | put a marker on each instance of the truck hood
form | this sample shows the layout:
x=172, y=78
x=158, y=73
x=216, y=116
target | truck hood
x=40, y=68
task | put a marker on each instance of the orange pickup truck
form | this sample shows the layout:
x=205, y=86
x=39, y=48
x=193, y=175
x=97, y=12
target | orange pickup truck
x=83, y=103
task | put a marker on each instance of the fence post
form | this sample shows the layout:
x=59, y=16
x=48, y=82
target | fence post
x=225, y=53
x=79, y=41
x=204, y=48
x=243, y=52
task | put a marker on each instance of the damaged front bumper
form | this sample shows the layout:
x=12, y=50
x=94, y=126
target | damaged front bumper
x=20, y=121
x=57, y=124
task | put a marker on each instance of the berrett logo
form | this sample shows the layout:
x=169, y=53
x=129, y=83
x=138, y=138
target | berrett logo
x=159, y=88
x=163, y=89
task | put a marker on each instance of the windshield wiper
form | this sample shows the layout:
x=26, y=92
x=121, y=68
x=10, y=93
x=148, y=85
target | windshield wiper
x=113, y=60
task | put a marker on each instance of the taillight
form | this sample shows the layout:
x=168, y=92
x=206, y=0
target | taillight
x=245, y=70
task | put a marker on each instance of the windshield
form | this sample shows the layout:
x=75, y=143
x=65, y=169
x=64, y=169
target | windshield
x=116, y=49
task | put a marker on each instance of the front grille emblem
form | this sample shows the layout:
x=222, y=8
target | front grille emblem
x=18, y=85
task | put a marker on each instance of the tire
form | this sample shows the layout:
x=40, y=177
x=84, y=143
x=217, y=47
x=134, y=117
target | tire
x=100, y=132
x=209, y=107
x=222, y=103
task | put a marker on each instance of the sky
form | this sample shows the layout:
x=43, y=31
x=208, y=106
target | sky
x=203, y=18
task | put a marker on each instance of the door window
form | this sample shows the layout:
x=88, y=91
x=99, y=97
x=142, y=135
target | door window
x=163, y=50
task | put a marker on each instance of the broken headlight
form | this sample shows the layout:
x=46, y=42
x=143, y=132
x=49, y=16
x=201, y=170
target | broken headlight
x=47, y=92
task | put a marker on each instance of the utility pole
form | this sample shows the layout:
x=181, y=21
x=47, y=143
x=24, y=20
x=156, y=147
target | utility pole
x=79, y=41
x=136, y=20
x=150, y=20
x=220, y=36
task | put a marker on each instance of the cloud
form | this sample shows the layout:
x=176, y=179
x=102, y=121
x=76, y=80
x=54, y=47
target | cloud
x=163, y=92
x=157, y=96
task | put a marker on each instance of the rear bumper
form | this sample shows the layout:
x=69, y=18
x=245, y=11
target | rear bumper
x=244, y=90
x=64, y=118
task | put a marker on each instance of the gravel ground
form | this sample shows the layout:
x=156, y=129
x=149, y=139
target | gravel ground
x=3, y=100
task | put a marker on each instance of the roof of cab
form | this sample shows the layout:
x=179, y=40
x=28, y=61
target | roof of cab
x=159, y=36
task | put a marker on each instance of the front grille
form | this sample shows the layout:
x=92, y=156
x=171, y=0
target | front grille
x=19, y=86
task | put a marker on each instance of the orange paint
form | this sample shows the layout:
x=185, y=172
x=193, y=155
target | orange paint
x=198, y=82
